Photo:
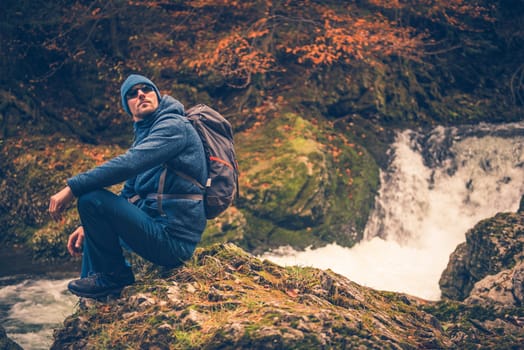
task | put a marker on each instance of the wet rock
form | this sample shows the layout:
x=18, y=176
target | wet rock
x=299, y=183
x=6, y=343
x=492, y=246
x=503, y=290
x=487, y=273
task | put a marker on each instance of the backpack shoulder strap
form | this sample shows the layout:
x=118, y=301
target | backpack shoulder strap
x=190, y=179
x=160, y=195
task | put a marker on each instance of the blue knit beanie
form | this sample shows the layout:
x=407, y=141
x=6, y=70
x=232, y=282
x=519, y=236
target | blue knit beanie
x=131, y=81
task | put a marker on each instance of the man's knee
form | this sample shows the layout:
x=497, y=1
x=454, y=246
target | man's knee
x=92, y=201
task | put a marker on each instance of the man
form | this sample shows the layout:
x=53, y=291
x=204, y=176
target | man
x=158, y=215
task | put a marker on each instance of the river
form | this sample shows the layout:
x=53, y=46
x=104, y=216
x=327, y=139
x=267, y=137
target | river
x=33, y=298
x=32, y=306
x=438, y=184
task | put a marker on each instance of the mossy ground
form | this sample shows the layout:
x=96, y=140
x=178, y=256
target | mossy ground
x=225, y=298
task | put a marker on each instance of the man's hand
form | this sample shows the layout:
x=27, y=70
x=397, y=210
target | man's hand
x=75, y=241
x=59, y=201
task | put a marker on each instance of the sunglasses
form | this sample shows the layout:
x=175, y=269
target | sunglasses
x=133, y=92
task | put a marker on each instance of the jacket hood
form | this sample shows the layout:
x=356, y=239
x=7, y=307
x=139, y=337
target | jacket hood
x=166, y=105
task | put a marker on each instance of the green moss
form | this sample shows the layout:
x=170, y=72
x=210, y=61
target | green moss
x=35, y=168
x=185, y=340
x=262, y=234
x=303, y=279
x=300, y=239
x=304, y=184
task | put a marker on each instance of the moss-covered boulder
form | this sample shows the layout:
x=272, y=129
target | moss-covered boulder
x=33, y=168
x=303, y=183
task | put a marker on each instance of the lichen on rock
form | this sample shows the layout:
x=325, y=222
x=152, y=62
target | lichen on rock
x=226, y=298
x=492, y=246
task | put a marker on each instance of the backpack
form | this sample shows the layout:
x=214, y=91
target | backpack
x=215, y=131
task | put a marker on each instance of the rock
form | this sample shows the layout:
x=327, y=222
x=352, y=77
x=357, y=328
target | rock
x=487, y=272
x=503, y=290
x=6, y=343
x=303, y=183
x=456, y=277
x=228, y=299
x=492, y=246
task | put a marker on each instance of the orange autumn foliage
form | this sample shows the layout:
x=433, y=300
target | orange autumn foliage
x=236, y=40
x=314, y=34
x=452, y=12
x=344, y=38
x=236, y=58
x=230, y=43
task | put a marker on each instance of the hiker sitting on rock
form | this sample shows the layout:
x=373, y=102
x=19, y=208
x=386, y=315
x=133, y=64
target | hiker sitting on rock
x=162, y=226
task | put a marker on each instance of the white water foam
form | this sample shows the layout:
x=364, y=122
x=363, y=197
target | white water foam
x=423, y=214
x=33, y=308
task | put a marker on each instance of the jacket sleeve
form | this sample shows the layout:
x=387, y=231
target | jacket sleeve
x=166, y=139
x=128, y=190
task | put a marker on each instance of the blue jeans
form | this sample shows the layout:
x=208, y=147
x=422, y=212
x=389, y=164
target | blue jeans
x=110, y=221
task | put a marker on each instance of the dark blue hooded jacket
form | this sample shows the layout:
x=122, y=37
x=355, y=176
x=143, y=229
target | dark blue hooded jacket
x=164, y=137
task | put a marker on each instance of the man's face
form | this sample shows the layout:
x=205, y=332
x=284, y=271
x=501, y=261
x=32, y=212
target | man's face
x=142, y=101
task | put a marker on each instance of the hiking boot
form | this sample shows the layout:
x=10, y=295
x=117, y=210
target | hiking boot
x=101, y=284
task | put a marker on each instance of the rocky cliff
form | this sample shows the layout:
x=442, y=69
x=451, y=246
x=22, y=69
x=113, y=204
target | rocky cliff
x=226, y=298
x=488, y=268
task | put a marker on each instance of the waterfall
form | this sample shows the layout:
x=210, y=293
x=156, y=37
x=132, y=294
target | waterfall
x=446, y=181
x=438, y=185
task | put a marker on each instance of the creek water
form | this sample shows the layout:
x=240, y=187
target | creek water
x=31, y=307
x=438, y=184
x=33, y=297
